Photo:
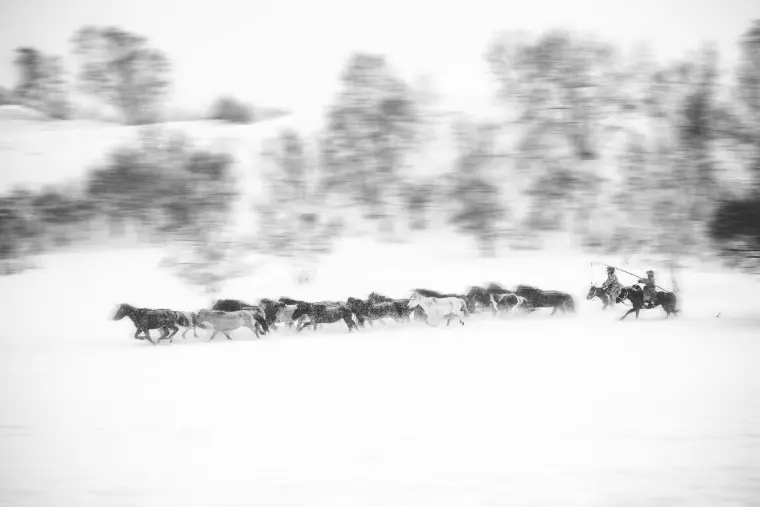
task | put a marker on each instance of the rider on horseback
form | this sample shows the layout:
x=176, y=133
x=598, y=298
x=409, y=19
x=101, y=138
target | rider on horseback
x=649, y=288
x=612, y=286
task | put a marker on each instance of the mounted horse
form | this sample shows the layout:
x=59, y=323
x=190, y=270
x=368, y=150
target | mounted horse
x=635, y=295
x=598, y=292
x=447, y=308
x=536, y=298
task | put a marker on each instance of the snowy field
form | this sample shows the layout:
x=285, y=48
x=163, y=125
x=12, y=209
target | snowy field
x=536, y=410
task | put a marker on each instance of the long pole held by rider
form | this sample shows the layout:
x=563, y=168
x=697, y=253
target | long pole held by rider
x=628, y=272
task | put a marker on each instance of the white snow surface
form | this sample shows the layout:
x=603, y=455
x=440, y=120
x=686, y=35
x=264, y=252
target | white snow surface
x=535, y=410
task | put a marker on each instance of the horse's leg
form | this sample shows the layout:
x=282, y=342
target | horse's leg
x=162, y=335
x=137, y=335
x=554, y=310
x=146, y=331
x=213, y=334
x=627, y=313
x=175, y=330
x=227, y=335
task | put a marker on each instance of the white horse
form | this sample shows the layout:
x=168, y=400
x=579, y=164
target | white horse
x=223, y=322
x=439, y=308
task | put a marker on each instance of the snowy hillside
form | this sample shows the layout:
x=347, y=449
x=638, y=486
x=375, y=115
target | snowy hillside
x=537, y=410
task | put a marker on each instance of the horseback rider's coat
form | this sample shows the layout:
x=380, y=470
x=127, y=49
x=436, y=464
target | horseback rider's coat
x=612, y=286
x=649, y=287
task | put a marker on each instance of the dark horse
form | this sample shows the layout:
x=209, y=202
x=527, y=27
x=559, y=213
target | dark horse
x=479, y=296
x=323, y=313
x=537, y=298
x=597, y=292
x=401, y=304
x=369, y=312
x=146, y=319
x=635, y=295
x=235, y=305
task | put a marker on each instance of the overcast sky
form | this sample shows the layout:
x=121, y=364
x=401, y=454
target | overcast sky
x=289, y=52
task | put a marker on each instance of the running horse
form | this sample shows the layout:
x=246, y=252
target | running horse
x=635, y=295
x=598, y=292
x=146, y=319
x=447, y=308
x=537, y=298
x=224, y=322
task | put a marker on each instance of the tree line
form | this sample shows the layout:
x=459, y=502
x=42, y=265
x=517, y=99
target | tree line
x=571, y=105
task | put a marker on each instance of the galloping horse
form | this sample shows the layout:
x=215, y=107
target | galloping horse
x=597, y=292
x=235, y=305
x=401, y=305
x=324, y=313
x=635, y=295
x=223, y=322
x=146, y=319
x=537, y=298
x=369, y=312
x=439, y=308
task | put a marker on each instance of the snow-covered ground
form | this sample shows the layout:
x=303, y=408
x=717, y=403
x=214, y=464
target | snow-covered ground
x=567, y=410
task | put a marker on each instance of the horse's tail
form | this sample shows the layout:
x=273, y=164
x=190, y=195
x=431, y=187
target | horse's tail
x=570, y=303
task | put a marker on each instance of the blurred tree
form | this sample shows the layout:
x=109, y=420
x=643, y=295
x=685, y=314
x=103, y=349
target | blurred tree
x=232, y=110
x=561, y=82
x=165, y=185
x=372, y=124
x=736, y=223
x=42, y=82
x=120, y=68
x=479, y=207
x=563, y=89
x=292, y=219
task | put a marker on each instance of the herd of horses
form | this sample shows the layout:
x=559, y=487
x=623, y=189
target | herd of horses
x=426, y=305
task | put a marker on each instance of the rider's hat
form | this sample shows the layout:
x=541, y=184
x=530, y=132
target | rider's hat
x=610, y=269
x=650, y=272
